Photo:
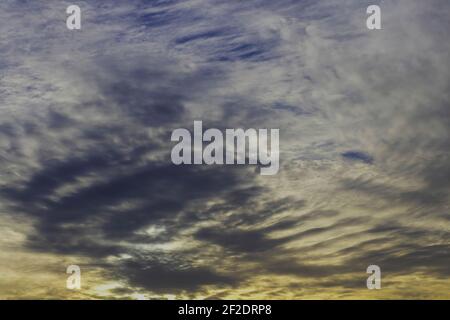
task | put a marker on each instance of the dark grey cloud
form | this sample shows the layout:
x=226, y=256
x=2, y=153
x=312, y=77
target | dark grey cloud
x=429, y=195
x=169, y=278
x=407, y=259
x=358, y=156
x=119, y=180
x=241, y=241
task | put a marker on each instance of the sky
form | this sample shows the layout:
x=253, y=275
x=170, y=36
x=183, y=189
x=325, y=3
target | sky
x=86, y=176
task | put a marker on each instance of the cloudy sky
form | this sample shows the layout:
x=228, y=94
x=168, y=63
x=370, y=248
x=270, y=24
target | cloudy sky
x=86, y=176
